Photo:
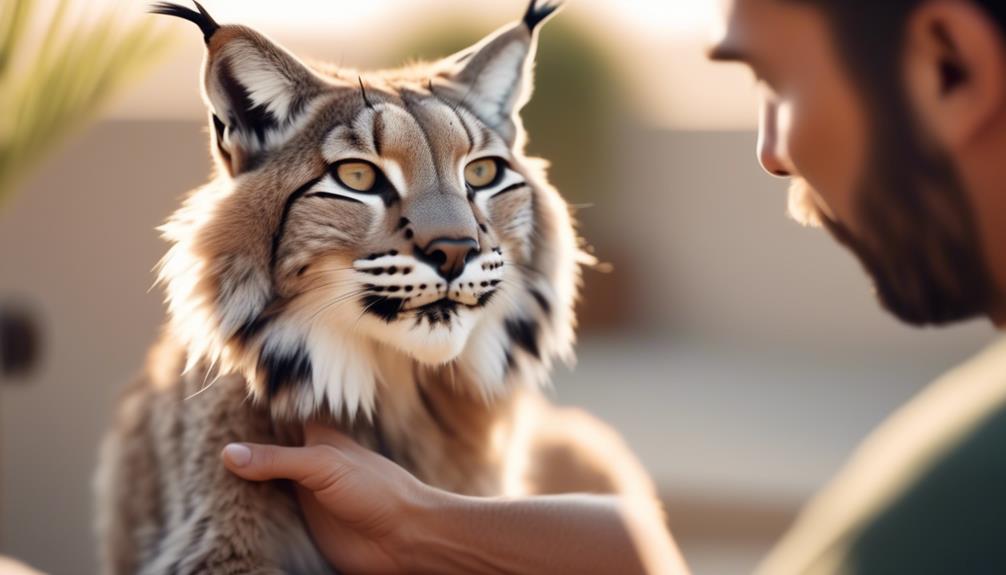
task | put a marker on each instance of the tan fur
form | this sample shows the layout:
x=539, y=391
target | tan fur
x=267, y=276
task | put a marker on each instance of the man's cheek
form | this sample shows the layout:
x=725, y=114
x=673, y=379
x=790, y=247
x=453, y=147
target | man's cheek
x=804, y=200
x=822, y=160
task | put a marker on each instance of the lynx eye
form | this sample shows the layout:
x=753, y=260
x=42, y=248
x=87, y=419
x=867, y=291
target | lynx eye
x=482, y=173
x=357, y=176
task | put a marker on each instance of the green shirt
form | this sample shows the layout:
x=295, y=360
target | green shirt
x=926, y=493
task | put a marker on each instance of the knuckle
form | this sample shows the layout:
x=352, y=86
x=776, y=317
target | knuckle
x=263, y=458
x=325, y=453
x=331, y=472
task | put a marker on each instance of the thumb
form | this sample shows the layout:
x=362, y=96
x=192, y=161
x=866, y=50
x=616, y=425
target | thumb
x=314, y=467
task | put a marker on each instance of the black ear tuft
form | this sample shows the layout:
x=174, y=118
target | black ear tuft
x=535, y=14
x=201, y=18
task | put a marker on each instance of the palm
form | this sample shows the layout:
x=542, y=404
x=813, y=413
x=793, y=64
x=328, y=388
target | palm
x=353, y=522
x=345, y=545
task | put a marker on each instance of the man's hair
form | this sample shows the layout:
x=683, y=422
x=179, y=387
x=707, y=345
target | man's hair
x=871, y=30
x=864, y=11
x=921, y=243
x=870, y=35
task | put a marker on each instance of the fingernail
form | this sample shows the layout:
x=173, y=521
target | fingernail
x=239, y=455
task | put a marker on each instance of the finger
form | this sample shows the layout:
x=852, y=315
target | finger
x=312, y=467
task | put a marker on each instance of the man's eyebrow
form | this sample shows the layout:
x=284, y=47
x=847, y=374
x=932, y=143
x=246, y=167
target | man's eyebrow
x=727, y=53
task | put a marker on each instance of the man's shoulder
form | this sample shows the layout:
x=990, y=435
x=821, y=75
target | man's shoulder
x=950, y=519
x=925, y=492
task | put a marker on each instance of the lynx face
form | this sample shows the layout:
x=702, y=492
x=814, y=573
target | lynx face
x=360, y=213
x=408, y=235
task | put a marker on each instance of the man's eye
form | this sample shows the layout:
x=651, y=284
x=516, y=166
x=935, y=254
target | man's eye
x=357, y=176
x=482, y=173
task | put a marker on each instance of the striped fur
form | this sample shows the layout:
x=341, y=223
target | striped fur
x=293, y=296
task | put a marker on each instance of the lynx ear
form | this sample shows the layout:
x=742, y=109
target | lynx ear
x=254, y=88
x=493, y=78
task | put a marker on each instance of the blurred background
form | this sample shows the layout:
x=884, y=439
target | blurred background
x=742, y=357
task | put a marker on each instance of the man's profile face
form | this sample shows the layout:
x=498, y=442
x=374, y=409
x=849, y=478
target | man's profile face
x=817, y=126
x=808, y=116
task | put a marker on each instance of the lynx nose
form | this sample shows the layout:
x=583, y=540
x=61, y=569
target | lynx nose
x=449, y=255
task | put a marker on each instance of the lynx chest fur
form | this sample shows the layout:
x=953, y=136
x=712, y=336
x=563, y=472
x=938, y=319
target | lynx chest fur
x=375, y=251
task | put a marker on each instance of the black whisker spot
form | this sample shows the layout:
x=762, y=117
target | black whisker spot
x=486, y=297
x=386, y=308
x=437, y=313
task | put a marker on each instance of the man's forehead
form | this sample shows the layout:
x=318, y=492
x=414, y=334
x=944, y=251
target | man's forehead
x=738, y=26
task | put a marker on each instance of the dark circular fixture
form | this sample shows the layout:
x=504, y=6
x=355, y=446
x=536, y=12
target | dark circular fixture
x=20, y=342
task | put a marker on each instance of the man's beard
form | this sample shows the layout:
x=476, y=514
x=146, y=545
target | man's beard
x=917, y=240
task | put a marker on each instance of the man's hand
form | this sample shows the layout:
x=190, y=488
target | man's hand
x=368, y=515
x=357, y=503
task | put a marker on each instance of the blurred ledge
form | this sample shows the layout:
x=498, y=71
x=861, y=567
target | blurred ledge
x=727, y=520
x=725, y=536
x=711, y=419
x=738, y=436
x=10, y=566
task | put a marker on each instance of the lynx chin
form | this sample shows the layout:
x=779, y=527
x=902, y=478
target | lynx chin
x=376, y=251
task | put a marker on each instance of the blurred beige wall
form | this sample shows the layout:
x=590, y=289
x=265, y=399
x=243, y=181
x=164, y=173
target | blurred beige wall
x=78, y=244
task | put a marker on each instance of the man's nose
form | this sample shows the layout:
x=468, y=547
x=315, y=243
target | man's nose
x=771, y=153
x=449, y=255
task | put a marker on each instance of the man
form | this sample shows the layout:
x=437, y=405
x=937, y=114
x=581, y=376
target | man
x=890, y=116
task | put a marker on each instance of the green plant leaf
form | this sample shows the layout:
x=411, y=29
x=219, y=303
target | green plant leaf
x=73, y=71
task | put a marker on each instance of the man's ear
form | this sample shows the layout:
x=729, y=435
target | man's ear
x=955, y=70
x=255, y=90
x=493, y=78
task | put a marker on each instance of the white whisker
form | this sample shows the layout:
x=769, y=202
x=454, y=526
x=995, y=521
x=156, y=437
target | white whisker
x=336, y=302
x=205, y=386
